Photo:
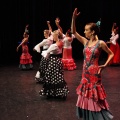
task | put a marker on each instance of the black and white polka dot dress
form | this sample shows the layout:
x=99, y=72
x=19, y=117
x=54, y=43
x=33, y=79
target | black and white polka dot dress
x=43, y=62
x=42, y=69
x=54, y=85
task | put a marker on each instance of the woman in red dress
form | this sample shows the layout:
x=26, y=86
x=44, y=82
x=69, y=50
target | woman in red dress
x=67, y=59
x=91, y=103
x=114, y=46
x=25, y=58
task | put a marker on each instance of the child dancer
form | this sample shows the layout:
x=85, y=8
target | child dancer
x=25, y=58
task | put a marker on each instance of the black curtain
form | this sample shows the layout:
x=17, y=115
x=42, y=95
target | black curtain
x=15, y=14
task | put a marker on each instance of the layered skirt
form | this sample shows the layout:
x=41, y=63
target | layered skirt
x=68, y=61
x=91, y=103
x=42, y=70
x=25, y=59
x=54, y=84
x=116, y=50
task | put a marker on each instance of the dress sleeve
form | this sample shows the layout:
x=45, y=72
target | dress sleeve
x=46, y=53
x=51, y=37
x=114, y=39
x=37, y=47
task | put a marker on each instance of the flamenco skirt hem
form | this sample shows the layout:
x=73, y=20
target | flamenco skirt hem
x=25, y=66
x=93, y=115
x=91, y=104
x=116, y=50
x=88, y=109
x=54, y=91
x=69, y=64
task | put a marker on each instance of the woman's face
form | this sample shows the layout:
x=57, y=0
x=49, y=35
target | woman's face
x=67, y=35
x=88, y=33
x=115, y=31
x=46, y=35
x=25, y=35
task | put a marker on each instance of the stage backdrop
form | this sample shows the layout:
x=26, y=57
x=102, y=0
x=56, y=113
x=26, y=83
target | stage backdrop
x=15, y=14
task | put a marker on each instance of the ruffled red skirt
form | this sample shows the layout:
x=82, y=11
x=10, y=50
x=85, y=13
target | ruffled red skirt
x=116, y=50
x=91, y=103
x=68, y=61
x=25, y=58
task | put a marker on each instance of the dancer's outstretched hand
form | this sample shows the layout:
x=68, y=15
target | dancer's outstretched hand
x=75, y=13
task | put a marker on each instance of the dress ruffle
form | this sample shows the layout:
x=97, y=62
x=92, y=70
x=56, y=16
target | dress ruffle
x=25, y=66
x=91, y=90
x=69, y=64
x=25, y=59
x=68, y=61
x=116, y=50
x=91, y=115
x=90, y=104
x=54, y=84
x=42, y=70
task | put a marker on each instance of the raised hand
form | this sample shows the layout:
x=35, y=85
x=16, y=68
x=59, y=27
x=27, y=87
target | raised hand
x=48, y=22
x=57, y=20
x=27, y=26
x=75, y=13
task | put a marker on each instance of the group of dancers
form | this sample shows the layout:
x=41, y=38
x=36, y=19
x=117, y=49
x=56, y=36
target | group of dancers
x=57, y=56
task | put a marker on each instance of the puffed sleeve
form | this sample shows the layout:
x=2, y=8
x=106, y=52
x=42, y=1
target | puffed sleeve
x=114, y=39
x=37, y=47
x=46, y=53
x=51, y=37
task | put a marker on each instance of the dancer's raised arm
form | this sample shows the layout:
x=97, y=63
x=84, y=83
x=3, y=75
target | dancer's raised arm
x=82, y=39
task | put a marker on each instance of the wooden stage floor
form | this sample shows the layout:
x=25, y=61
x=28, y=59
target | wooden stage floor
x=20, y=100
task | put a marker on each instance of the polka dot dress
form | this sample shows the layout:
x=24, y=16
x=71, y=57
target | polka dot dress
x=42, y=69
x=54, y=83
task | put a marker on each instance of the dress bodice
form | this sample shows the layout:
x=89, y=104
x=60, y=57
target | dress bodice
x=91, y=57
x=26, y=41
x=91, y=54
x=47, y=43
x=114, y=38
x=67, y=43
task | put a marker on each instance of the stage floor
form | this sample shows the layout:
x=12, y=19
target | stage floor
x=20, y=100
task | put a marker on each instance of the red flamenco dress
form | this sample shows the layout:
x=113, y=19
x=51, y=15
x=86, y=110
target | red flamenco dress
x=114, y=47
x=68, y=61
x=91, y=103
x=25, y=58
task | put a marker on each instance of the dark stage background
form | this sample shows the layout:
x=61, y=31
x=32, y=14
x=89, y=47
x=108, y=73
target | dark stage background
x=15, y=14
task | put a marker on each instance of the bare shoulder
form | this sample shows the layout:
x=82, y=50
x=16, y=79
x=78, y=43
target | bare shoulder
x=25, y=40
x=102, y=43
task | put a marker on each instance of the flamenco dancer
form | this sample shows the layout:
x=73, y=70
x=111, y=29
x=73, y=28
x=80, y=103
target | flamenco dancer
x=91, y=103
x=68, y=61
x=114, y=46
x=26, y=62
x=43, y=62
x=54, y=84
